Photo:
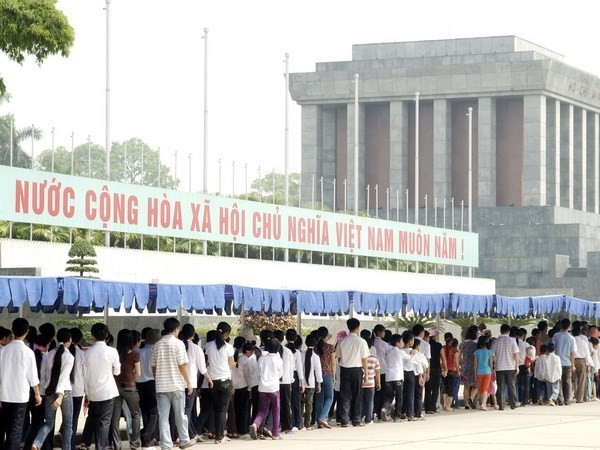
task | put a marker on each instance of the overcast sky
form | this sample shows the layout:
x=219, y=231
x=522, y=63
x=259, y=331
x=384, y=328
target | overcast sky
x=157, y=67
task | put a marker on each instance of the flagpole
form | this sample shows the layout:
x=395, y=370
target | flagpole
x=205, y=147
x=355, y=158
x=286, y=251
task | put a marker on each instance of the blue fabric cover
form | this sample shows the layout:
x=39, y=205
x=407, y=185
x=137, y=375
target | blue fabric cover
x=5, y=295
x=18, y=290
x=214, y=295
x=49, y=291
x=71, y=291
x=168, y=297
x=34, y=291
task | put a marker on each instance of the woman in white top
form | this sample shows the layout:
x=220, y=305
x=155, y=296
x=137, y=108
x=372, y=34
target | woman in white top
x=56, y=380
x=77, y=392
x=220, y=363
x=239, y=378
x=313, y=377
x=196, y=364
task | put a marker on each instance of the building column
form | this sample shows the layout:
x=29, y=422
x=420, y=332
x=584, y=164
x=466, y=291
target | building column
x=329, y=155
x=566, y=155
x=442, y=149
x=312, y=150
x=398, y=152
x=486, y=186
x=580, y=159
x=593, y=163
x=534, y=146
x=361, y=156
x=553, y=152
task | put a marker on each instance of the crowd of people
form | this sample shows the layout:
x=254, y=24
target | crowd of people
x=174, y=392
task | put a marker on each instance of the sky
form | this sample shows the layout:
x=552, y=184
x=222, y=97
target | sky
x=158, y=56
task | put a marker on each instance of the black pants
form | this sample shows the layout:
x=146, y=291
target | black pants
x=77, y=401
x=297, y=420
x=379, y=396
x=506, y=378
x=12, y=417
x=241, y=404
x=149, y=410
x=221, y=395
x=285, y=399
x=432, y=390
x=101, y=415
x=393, y=390
x=418, y=398
x=206, y=417
x=408, y=394
x=190, y=400
x=254, y=402
x=350, y=403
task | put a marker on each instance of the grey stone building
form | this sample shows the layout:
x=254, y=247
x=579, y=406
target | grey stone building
x=536, y=148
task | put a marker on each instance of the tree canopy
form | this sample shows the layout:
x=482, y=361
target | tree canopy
x=33, y=27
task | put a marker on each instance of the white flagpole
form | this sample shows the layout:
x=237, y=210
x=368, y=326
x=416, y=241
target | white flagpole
x=397, y=205
x=158, y=182
x=233, y=195
x=260, y=200
x=52, y=160
x=190, y=190
x=417, y=167
x=355, y=158
x=273, y=175
x=470, y=178
x=107, y=122
x=205, y=137
x=12, y=126
x=246, y=193
x=462, y=223
x=286, y=251
x=32, y=168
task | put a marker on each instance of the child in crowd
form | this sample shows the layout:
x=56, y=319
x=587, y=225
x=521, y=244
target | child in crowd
x=594, y=352
x=243, y=350
x=484, y=361
x=270, y=369
x=539, y=372
x=420, y=367
x=552, y=374
x=371, y=383
x=394, y=381
x=313, y=377
x=408, y=390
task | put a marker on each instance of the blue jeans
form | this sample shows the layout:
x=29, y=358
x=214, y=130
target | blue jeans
x=166, y=401
x=540, y=390
x=368, y=394
x=66, y=408
x=324, y=399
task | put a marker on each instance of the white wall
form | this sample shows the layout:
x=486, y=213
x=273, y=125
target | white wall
x=149, y=266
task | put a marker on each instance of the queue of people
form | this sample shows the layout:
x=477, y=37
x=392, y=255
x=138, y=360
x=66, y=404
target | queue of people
x=175, y=393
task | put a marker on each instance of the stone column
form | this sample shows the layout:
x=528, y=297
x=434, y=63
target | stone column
x=534, y=146
x=486, y=116
x=580, y=159
x=442, y=149
x=566, y=155
x=329, y=156
x=553, y=152
x=593, y=162
x=398, y=151
x=312, y=150
x=361, y=156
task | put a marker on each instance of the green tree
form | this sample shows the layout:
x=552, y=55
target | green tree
x=263, y=187
x=33, y=27
x=21, y=158
x=80, y=253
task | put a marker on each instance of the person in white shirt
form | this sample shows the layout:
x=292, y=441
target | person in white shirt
x=147, y=389
x=18, y=373
x=197, y=364
x=100, y=365
x=421, y=367
x=285, y=386
x=381, y=347
x=539, y=372
x=506, y=357
x=270, y=367
x=56, y=381
x=219, y=354
x=169, y=362
x=395, y=359
x=77, y=389
x=352, y=353
x=583, y=362
x=298, y=384
x=552, y=373
x=241, y=382
x=313, y=377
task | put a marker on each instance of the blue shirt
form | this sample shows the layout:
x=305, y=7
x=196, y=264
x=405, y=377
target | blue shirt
x=483, y=361
x=565, y=344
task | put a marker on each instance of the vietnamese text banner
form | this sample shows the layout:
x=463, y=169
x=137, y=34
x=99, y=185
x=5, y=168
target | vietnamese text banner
x=75, y=202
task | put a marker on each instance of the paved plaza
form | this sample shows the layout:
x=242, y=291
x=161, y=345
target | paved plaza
x=573, y=426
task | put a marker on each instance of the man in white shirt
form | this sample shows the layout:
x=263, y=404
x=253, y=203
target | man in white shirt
x=169, y=363
x=583, y=361
x=18, y=373
x=100, y=366
x=147, y=390
x=506, y=359
x=285, y=384
x=352, y=352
